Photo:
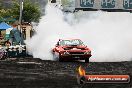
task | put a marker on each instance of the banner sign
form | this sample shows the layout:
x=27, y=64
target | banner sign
x=104, y=4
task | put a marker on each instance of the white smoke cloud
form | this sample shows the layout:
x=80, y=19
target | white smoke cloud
x=109, y=35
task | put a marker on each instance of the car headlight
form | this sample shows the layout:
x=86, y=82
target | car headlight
x=88, y=52
x=66, y=53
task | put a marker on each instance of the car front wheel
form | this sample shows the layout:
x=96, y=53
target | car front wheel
x=60, y=59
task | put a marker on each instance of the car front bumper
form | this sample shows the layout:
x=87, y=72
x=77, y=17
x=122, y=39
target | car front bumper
x=76, y=56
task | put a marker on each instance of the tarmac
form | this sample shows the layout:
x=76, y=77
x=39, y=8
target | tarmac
x=37, y=73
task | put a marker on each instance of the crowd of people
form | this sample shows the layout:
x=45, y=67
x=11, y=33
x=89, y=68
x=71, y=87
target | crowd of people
x=9, y=51
x=11, y=47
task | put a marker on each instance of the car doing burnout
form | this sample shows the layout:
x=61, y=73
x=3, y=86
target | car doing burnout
x=71, y=49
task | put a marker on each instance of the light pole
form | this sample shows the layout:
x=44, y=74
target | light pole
x=21, y=9
x=20, y=18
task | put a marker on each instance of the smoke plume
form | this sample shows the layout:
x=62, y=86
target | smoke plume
x=109, y=35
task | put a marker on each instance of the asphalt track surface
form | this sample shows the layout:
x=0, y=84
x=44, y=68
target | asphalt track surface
x=36, y=73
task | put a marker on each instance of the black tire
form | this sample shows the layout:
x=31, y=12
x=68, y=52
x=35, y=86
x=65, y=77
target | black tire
x=60, y=59
x=87, y=60
x=57, y=57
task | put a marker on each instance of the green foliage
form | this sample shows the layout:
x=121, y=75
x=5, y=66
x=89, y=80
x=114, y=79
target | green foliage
x=31, y=12
x=0, y=4
x=15, y=10
x=5, y=15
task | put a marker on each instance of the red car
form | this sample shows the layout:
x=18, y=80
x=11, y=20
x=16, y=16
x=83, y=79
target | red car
x=71, y=49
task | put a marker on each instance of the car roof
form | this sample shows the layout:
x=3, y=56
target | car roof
x=69, y=39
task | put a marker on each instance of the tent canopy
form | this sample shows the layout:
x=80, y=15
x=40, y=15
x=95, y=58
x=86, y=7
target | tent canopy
x=4, y=26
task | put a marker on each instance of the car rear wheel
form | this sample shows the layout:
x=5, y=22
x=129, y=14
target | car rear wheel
x=55, y=56
x=87, y=60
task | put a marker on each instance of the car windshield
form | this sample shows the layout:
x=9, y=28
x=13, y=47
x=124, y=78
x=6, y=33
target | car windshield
x=71, y=42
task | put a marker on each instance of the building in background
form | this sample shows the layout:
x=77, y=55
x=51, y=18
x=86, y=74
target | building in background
x=27, y=30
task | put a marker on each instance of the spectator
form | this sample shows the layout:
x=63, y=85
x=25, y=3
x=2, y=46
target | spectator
x=7, y=43
x=1, y=37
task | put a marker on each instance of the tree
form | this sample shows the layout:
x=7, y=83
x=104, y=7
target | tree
x=5, y=15
x=31, y=11
x=1, y=4
x=5, y=12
